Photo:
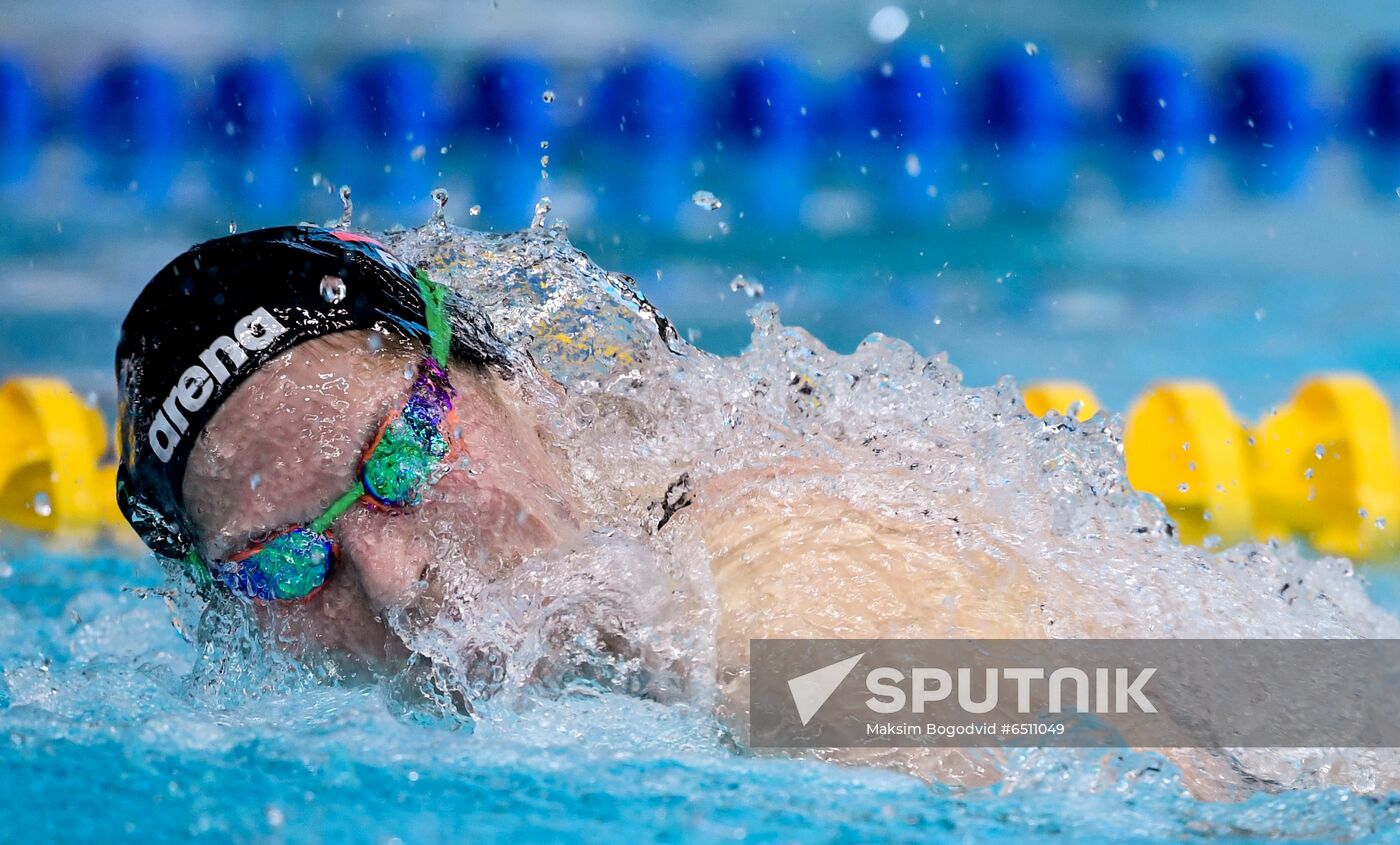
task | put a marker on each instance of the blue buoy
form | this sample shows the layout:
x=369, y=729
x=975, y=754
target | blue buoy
x=644, y=120
x=1264, y=100
x=257, y=124
x=1156, y=122
x=648, y=103
x=20, y=122
x=766, y=132
x=1021, y=101
x=1268, y=120
x=1374, y=118
x=1156, y=100
x=389, y=107
x=508, y=114
x=1376, y=110
x=906, y=100
x=1025, y=127
x=894, y=126
x=132, y=117
x=508, y=101
x=766, y=104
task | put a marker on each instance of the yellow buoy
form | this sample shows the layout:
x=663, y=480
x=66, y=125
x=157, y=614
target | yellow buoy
x=1184, y=445
x=1045, y=396
x=50, y=445
x=1325, y=467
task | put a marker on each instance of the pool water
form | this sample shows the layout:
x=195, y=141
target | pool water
x=107, y=736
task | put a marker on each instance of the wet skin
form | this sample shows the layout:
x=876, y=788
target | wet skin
x=289, y=441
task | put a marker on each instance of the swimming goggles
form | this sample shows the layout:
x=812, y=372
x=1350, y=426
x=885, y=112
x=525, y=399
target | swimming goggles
x=411, y=451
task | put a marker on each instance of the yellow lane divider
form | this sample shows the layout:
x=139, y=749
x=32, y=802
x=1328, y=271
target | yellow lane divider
x=1323, y=467
x=52, y=473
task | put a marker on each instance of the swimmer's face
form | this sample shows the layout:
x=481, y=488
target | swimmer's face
x=288, y=443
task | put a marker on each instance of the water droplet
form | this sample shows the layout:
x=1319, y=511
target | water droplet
x=1308, y=473
x=541, y=209
x=706, y=200
x=1211, y=138
x=544, y=145
x=544, y=161
x=374, y=342
x=41, y=504
x=315, y=180
x=752, y=288
x=418, y=153
x=255, y=482
x=1032, y=49
x=332, y=289
x=348, y=207
x=1159, y=155
x=888, y=24
x=439, y=204
x=547, y=96
x=1183, y=487
x=937, y=320
x=1260, y=314
x=912, y=165
x=233, y=227
x=1319, y=451
x=1380, y=522
x=474, y=211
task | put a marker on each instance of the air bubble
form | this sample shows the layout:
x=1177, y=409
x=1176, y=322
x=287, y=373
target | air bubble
x=332, y=289
x=706, y=200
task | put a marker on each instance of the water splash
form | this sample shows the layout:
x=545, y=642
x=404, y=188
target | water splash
x=347, y=213
x=439, y=205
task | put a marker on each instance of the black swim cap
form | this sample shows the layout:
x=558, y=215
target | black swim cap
x=219, y=312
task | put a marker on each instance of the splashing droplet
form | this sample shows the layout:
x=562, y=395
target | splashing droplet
x=332, y=289
x=439, y=204
x=547, y=96
x=706, y=200
x=233, y=227
x=349, y=207
x=541, y=209
x=474, y=211
x=749, y=286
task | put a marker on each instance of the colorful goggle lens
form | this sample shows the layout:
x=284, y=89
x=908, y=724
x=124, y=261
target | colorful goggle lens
x=410, y=452
x=290, y=565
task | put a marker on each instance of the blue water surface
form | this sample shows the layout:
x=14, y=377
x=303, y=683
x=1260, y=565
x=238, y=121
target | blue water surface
x=107, y=734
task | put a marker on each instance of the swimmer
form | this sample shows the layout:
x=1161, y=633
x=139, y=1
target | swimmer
x=309, y=424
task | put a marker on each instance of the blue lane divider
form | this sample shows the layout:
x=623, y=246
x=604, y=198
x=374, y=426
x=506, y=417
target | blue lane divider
x=20, y=121
x=133, y=115
x=508, y=111
x=642, y=129
x=257, y=122
x=1268, y=119
x=762, y=130
x=1025, y=125
x=766, y=121
x=387, y=122
x=1157, y=121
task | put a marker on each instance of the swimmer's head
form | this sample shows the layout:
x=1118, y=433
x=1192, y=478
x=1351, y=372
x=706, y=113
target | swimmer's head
x=255, y=370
